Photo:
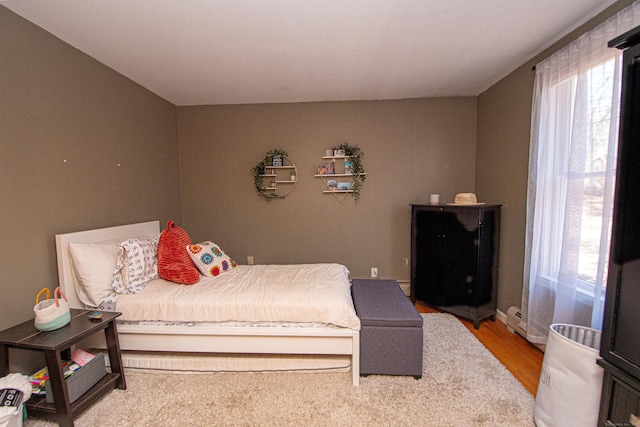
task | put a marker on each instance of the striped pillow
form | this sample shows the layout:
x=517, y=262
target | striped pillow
x=174, y=263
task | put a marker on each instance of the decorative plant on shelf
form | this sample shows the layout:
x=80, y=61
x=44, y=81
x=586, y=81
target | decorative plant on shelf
x=260, y=169
x=355, y=155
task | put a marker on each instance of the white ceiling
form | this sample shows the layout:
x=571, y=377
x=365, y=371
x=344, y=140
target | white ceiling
x=198, y=52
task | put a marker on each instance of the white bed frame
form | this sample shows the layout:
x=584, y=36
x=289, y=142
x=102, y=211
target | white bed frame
x=263, y=340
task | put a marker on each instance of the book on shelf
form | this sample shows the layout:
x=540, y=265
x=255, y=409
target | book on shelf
x=326, y=169
x=348, y=167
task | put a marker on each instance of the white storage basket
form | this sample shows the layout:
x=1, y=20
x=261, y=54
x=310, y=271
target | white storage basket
x=570, y=381
x=51, y=314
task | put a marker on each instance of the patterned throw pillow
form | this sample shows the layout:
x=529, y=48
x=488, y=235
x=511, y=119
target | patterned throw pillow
x=174, y=264
x=210, y=259
x=137, y=264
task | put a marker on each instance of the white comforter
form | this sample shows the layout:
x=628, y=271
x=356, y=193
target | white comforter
x=306, y=293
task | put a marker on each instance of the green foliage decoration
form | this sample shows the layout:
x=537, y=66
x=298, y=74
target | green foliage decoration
x=355, y=155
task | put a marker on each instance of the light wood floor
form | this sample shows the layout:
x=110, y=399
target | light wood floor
x=521, y=358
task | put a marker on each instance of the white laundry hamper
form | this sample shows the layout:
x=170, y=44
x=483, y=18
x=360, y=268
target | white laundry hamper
x=570, y=381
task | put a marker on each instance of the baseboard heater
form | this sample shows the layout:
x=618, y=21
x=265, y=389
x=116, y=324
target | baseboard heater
x=514, y=317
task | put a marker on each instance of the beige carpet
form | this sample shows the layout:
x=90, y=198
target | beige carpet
x=462, y=385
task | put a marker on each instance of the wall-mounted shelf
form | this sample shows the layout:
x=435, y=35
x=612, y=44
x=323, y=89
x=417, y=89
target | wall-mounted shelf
x=336, y=176
x=275, y=181
x=276, y=175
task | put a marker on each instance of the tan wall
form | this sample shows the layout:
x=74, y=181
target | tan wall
x=412, y=148
x=66, y=123
x=504, y=125
x=504, y=116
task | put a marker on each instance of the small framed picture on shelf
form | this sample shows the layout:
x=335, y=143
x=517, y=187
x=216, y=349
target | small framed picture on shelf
x=338, y=153
x=332, y=184
x=326, y=169
x=343, y=186
x=276, y=160
x=348, y=167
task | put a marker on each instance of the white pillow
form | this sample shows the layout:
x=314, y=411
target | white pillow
x=93, y=264
x=210, y=259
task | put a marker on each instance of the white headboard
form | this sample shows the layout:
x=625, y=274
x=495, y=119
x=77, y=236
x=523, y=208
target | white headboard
x=66, y=277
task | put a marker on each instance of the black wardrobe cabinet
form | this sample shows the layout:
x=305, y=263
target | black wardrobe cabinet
x=620, y=346
x=454, y=258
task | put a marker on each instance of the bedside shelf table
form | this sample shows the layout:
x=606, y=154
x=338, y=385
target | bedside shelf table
x=54, y=345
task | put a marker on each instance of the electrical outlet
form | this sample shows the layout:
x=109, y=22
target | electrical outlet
x=250, y=260
x=374, y=272
x=405, y=262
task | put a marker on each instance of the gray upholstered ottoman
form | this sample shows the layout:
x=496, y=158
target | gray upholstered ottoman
x=391, y=329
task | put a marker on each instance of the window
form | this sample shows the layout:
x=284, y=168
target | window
x=598, y=178
x=571, y=187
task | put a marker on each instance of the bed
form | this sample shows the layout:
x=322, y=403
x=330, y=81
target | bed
x=263, y=344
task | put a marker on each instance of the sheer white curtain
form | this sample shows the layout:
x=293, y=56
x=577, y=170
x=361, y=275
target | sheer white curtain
x=572, y=159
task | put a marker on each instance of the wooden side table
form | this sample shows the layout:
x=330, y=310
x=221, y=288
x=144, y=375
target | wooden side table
x=54, y=345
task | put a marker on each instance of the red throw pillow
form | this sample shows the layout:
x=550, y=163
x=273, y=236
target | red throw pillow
x=174, y=263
